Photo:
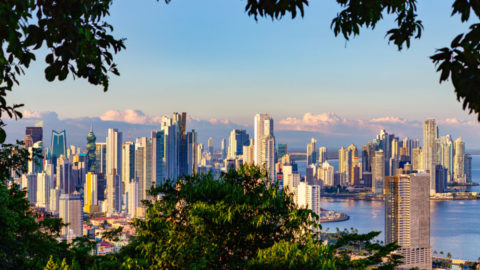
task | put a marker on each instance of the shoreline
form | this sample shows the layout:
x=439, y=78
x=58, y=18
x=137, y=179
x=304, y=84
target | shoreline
x=364, y=197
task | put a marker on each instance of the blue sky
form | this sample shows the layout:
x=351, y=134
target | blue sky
x=210, y=59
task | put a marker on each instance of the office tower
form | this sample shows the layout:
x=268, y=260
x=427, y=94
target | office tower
x=43, y=190
x=290, y=179
x=70, y=211
x=171, y=129
x=440, y=179
x=199, y=153
x=249, y=153
x=224, y=149
x=238, y=138
x=417, y=159
x=114, y=152
x=468, y=168
x=140, y=161
x=78, y=171
x=352, y=154
x=35, y=163
x=282, y=150
x=322, y=155
x=180, y=119
x=29, y=182
x=114, y=193
x=378, y=172
x=446, y=155
x=459, y=161
x=430, y=136
x=342, y=160
x=264, y=145
x=54, y=200
x=268, y=155
x=128, y=162
x=91, y=151
x=312, y=152
x=35, y=133
x=327, y=173
x=192, y=152
x=101, y=158
x=64, y=175
x=263, y=126
x=368, y=153
x=90, y=193
x=58, y=145
x=114, y=171
x=308, y=196
x=133, y=197
x=407, y=218
x=210, y=146
x=394, y=147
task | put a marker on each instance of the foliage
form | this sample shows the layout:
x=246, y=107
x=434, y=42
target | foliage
x=74, y=33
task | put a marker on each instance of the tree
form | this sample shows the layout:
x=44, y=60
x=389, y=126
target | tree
x=237, y=221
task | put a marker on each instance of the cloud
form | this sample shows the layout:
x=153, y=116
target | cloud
x=389, y=120
x=27, y=114
x=311, y=122
x=128, y=116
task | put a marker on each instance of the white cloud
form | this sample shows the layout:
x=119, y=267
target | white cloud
x=389, y=120
x=128, y=116
x=27, y=114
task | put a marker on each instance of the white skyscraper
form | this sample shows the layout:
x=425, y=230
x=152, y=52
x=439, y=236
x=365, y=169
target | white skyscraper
x=430, y=149
x=114, y=171
x=459, y=161
x=264, y=146
x=308, y=196
x=378, y=172
x=312, y=152
x=43, y=190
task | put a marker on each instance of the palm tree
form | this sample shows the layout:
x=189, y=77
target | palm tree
x=449, y=255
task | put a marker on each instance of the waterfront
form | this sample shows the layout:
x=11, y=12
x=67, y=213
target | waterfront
x=454, y=225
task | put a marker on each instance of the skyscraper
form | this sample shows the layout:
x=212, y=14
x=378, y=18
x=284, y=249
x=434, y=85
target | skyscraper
x=35, y=133
x=264, y=144
x=128, y=162
x=407, y=218
x=282, y=150
x=446, y=155
x=312, y=152
x=101, y=158
x=58, y=145
x=468, y=168
x=430, y=136
x=70, y=211
x=192, y=152
x=238, y=138
x=210, y=146
x=114, y=171
x=352, y=154
x=459, y=161
x=322, y=154
x=378, y=172
x=90, y=193
x=91, y=151
x=157, y=144
x=342, y=160
x=224, y=148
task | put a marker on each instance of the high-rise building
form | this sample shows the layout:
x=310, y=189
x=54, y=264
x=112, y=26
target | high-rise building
x=238, y=138
x=312, y=152
x=342, y=160
x=172, y=131
x=114, y=171
x=446, y=155
x=210, y=146
x=192, y=152
x=54, y=200
x=282, y=150
x=249, y=153
x=224, y=149
x=128, y=162
x=459, y=161
x=378, y=172
x=440, y=179
x=35, y=133
x=64, y=175
x=133, y=197
x=468, y=168
x=58, y=145
x=430, y=149
x=264, y=144
x=43, y=190
x=308, y=196
x=322, y=155
x=417, y=159
x=91, y=151
x=407, y=218
x=326, y=174
x=90, y=193
x=101, y=158
x=70, y=211
x=352, y=154
x=140, y=160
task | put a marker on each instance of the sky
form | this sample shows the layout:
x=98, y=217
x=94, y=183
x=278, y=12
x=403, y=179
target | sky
x=210, y=59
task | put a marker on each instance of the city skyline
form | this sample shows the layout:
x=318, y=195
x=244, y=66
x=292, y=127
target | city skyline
x=328, y=128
